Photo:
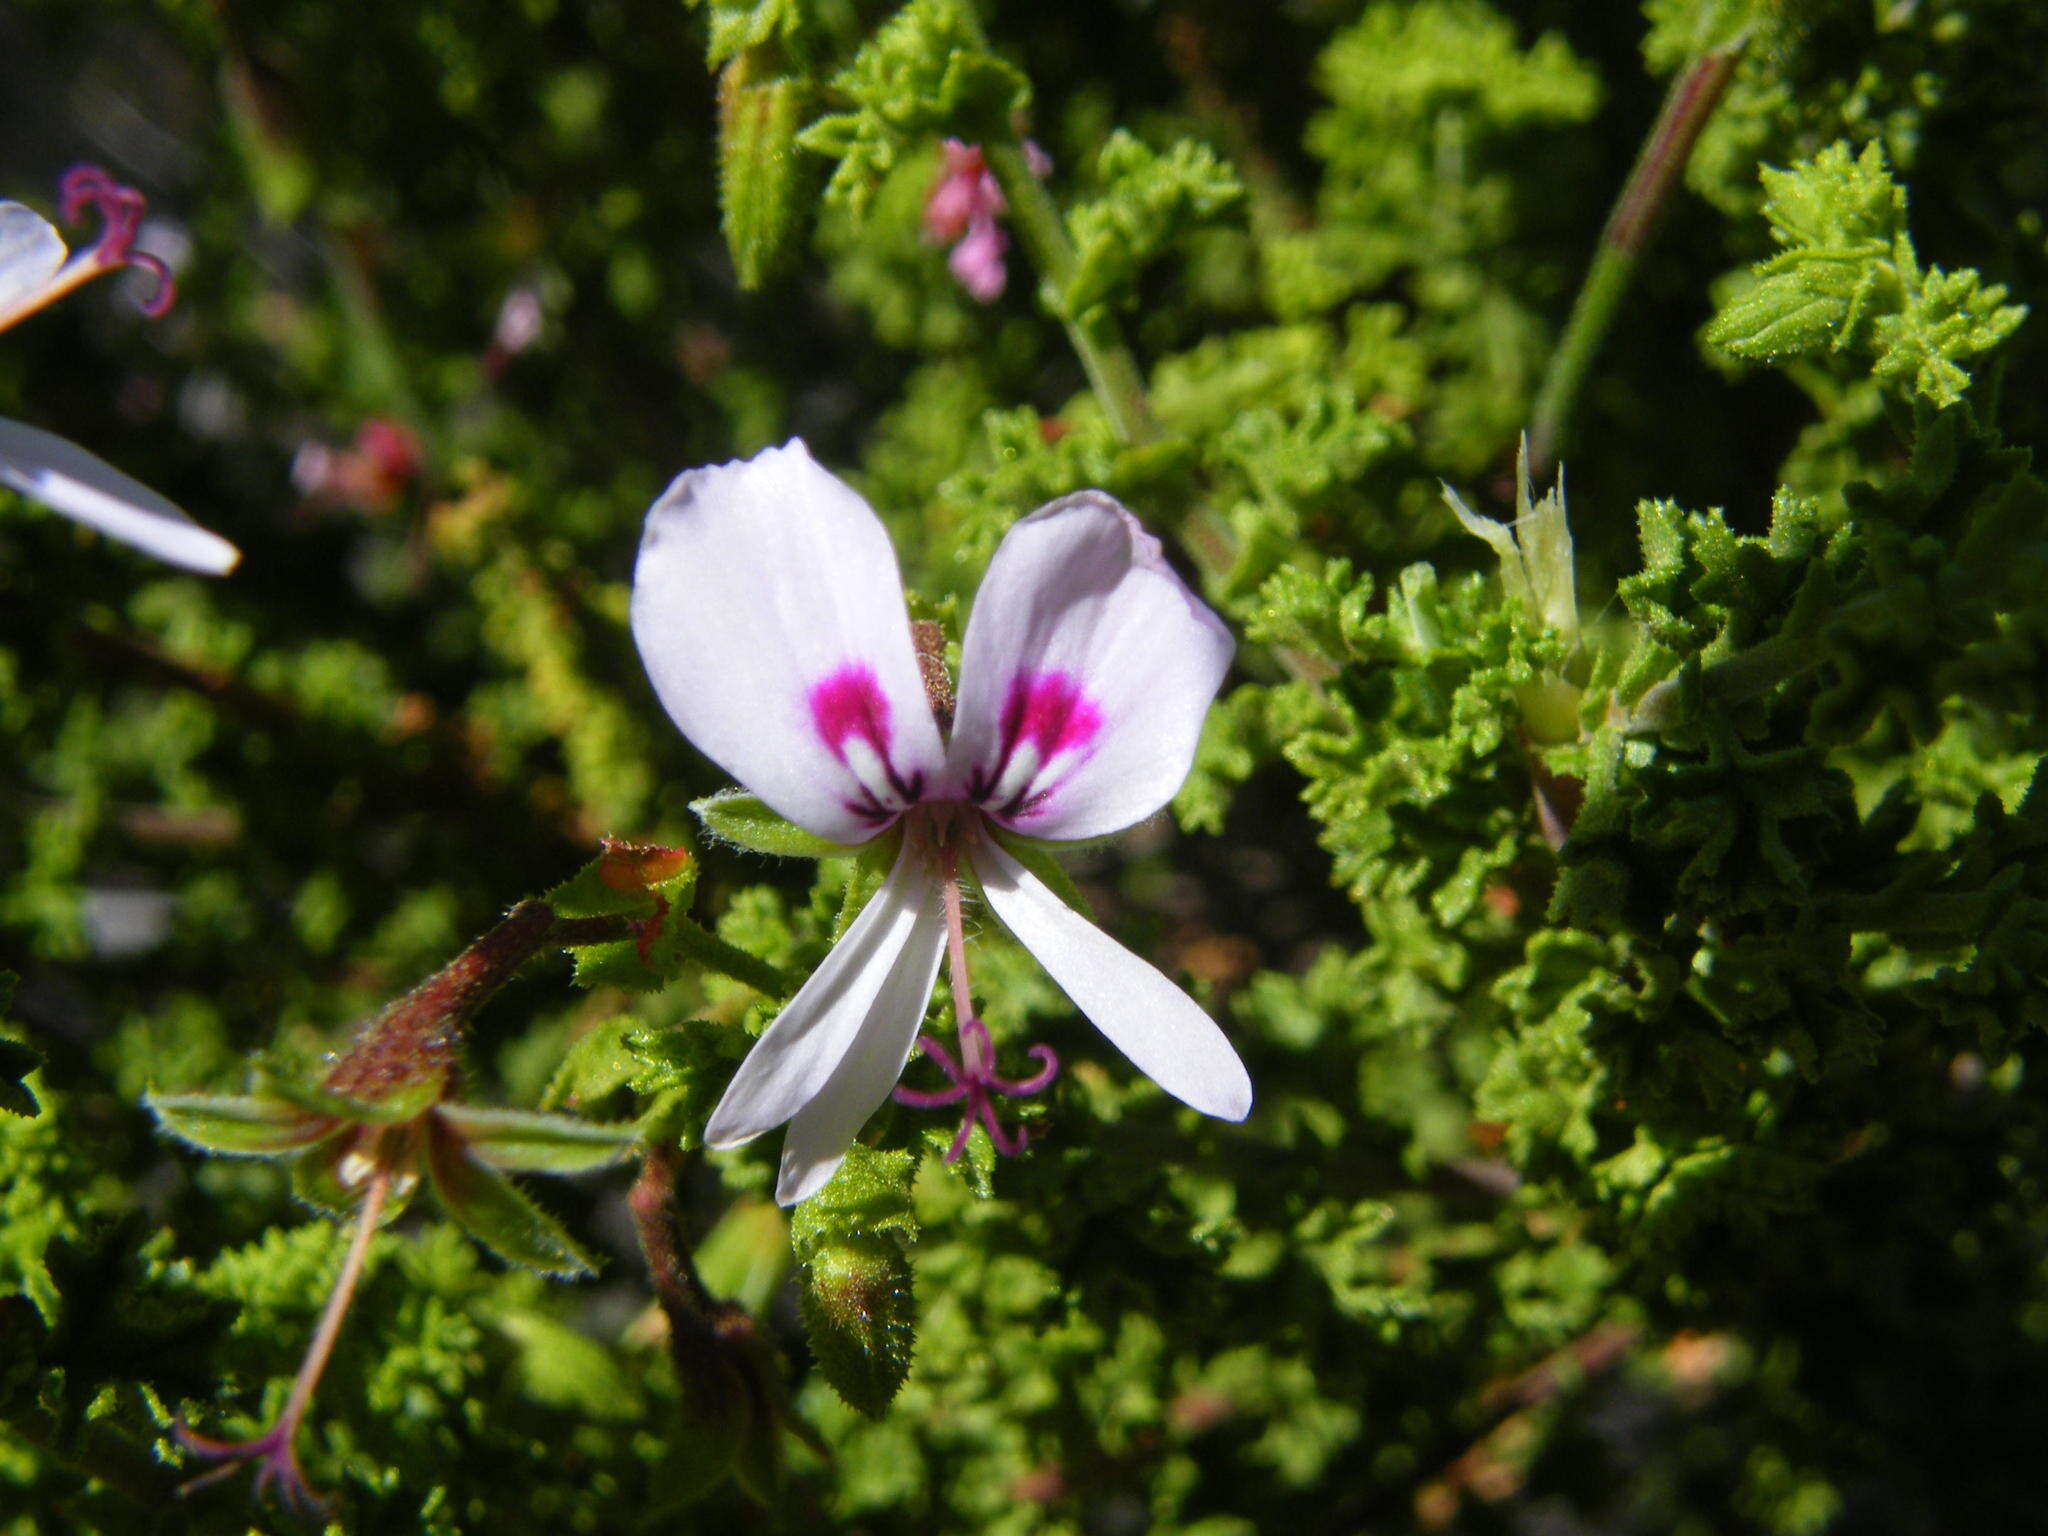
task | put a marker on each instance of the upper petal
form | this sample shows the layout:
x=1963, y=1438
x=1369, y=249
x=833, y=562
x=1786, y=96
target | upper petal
x=31, y=251
x=67, y=479
x=1084, y=674
x=1148, y=1018
x=769, y=613
x=799, y=1053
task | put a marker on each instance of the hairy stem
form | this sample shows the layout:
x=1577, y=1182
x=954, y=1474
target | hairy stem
x=1630, y=227
x=417, y=1035
x=317, y=1353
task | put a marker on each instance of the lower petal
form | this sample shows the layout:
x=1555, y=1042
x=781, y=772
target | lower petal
x=65, y=478
x=825, y=1127
x=1152, y=1021
x=800, y=1052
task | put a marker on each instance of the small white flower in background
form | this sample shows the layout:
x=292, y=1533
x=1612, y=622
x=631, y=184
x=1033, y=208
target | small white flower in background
x=36, y=269
x=770, y=614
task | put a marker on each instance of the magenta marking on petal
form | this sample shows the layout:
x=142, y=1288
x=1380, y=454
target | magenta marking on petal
x=1050, y=711
x=851, y=703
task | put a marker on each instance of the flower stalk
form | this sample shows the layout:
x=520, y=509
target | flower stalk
x=272, y=1452
x=1631, y=226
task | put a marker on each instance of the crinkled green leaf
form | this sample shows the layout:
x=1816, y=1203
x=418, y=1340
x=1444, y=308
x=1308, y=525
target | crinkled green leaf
x=491, y=1209
x=737, y=817
x=1847, y=280
x=533, y=1141
x=1148, y=200
x=925, y=73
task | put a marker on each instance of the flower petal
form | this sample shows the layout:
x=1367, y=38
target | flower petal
x=801, y=1050
x=770, y=615
x=1165, y=1034
x=65, y=478
x=824, y=1128
x=31, y=252
x=1084, y=676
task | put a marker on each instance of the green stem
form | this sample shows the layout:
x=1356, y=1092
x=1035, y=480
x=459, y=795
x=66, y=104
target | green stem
x=714, y=954
x=1112, y=370
x=1630, y=227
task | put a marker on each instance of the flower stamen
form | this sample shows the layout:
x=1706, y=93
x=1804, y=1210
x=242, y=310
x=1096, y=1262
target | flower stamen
x=972, y=1075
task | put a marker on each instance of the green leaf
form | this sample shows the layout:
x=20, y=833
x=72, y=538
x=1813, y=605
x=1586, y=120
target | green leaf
x=759, y=173
x=487, y=1206
x=16, y=1062
x=736, y=817
x=859, y=1302
x=234, y=1126
x=533, y=1141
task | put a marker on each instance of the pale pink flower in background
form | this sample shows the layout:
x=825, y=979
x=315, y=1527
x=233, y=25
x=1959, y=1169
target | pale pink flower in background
x=962, y=211
x=37, y=269
x=369, y=475
x=769, y=612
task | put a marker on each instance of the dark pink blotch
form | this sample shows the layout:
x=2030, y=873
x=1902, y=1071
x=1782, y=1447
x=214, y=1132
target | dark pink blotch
x=1049, y=710
x=850, y=702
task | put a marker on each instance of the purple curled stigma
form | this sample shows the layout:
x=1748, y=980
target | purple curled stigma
x=87, y=189
x=973, y=1080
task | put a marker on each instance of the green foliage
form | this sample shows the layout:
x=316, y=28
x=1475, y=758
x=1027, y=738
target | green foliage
x=1847, y=280
x=925, y=72
x=1148, y=200
x=1633, y=923
x=16, y=1062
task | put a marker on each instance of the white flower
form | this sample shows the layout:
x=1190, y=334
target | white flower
x=770, y=614
x=36, y=269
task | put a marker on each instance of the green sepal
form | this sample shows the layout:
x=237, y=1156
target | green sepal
x=533, y=1141
x=402, y=1103
x=238, y=1125
x=736, y=817
x=864, y=876
x=859, y=1300
x=586, y=893
x=1038, y=858
x=759, y=171
x=316, y=1176
x=487, y=1206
